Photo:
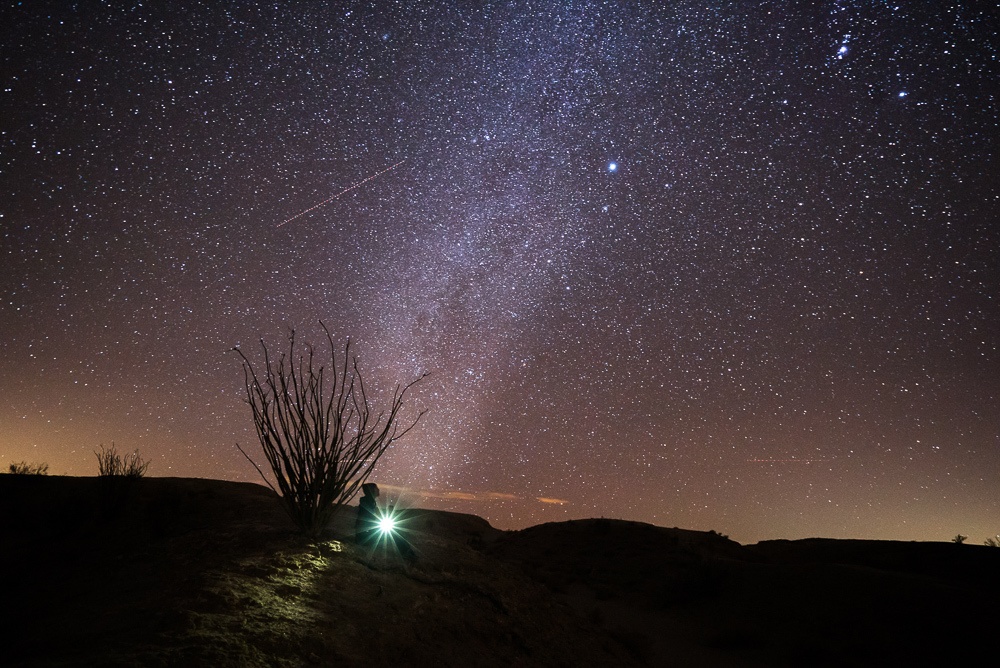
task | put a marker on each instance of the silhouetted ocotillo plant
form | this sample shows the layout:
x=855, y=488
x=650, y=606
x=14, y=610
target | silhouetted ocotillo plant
x=319, y=433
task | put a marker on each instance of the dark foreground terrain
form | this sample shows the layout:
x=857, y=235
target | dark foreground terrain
x=185, y=572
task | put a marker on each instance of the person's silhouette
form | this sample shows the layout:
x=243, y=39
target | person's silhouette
x=366, y=525
x=368, y=530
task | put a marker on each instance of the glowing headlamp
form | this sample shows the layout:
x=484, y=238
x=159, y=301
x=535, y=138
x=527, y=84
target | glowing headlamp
x=386, y=524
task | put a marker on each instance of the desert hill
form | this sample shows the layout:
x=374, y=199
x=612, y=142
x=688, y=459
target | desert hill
x=191, y=572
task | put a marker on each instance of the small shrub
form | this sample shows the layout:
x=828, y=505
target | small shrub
x=993, y=542
x=119, y=476
x=24, y=468
x=959, y=539
x=111, y=464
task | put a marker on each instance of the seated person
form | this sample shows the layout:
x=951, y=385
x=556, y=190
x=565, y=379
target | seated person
x=366, y=525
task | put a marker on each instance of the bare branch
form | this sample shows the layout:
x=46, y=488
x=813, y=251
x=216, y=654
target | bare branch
x=321, y=439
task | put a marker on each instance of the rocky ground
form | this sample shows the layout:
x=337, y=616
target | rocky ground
x=185, y=572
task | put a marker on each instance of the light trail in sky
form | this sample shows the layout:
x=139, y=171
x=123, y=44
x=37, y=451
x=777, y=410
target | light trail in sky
x=342, y=192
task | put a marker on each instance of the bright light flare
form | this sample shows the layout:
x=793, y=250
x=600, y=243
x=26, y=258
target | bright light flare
x=386, y=524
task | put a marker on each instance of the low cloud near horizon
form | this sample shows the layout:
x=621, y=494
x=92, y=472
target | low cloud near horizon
x=459, y=495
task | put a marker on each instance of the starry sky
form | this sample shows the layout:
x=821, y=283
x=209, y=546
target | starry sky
x=723, y=266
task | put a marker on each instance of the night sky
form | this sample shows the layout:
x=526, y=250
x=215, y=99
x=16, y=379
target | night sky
x=725, y=266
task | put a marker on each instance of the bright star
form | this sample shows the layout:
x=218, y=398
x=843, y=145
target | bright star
x=612, y=166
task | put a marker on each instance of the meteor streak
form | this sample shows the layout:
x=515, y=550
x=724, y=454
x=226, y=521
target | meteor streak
x=345, y=190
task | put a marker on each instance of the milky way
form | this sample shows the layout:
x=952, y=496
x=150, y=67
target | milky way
x=722, y=267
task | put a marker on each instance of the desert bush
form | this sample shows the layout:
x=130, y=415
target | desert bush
x=318, y=430
x=992, y=542
x=119, y=475
x=111, y=464
x=24, y=468
x=959, y=539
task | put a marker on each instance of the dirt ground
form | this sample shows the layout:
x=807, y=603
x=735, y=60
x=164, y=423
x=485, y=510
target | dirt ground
x=190, y=572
